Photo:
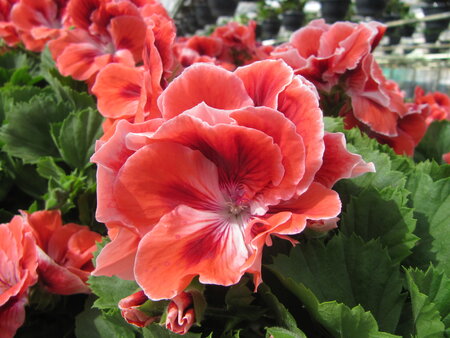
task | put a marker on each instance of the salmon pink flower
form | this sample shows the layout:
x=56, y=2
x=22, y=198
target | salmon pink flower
x=18, y=262
x=180, y=313
x=8, y=31
x=103, y=32
x=65, y=252
x=232, y=161
x=322, y=52
x=38, y=21
x=378, y=108
x=437, y=105
x=132, y=92
x=129, y=308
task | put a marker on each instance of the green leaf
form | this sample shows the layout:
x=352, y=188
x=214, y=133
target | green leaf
x=433, y=169
x=426, y=317
x=77, y=136
x=333, y=124
x=93, y=323
x=27, y=133
x=382, y=214
x=280, y=332
x=436, y=286
x=435, y=143
x=430, y=200
x=282, y=316
x=337, y=318
x=110, y=290
x=348, y=271
x=47, y=168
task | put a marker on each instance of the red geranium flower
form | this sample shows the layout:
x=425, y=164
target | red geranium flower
x=18, y=262
x=65, y=252
x=437, y=105
x=38, y=21
x=8, y=31
x=322, y=52
x=104, y=32
x=236, y=158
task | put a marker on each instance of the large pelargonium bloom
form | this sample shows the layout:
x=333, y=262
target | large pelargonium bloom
x=237, y=157
x=18, y=262
x=322, y=52
x=65, y=252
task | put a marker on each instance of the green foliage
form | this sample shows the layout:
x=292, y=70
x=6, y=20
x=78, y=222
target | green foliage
x=27, y=132
x=435, y=143
x=76, y=137
x=384, y=214
x=430, y=200
x=349, y=271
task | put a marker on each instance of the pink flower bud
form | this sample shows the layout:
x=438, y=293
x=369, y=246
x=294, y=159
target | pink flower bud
x=180, y=313
x=129, y=308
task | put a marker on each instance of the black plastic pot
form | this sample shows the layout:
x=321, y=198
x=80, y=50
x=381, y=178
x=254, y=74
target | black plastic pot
x=292, y=20
x=222, y=7
x=408, y=30
x=434, y=28
x=371, y=8
x=203, y=14
x=394, y=33
x=334, y=10
x=270, y=28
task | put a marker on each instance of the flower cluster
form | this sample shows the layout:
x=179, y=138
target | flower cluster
x=337, y=59
x=37, y=247
x=212, y=146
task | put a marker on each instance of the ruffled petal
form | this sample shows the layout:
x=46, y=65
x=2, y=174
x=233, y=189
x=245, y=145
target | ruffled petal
x=199, y=83
x=283, y=133
x=186, y=243
x=339, y=163
x=299, y=102
x=264, y=80
x=247, y=159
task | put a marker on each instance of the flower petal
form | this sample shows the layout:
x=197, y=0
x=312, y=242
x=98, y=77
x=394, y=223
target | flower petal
x=186, y=243
x=339, y=163
x=199, y=83
x=264, y=80
x=118, y=90
x=300, y=104
x=176, y=175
